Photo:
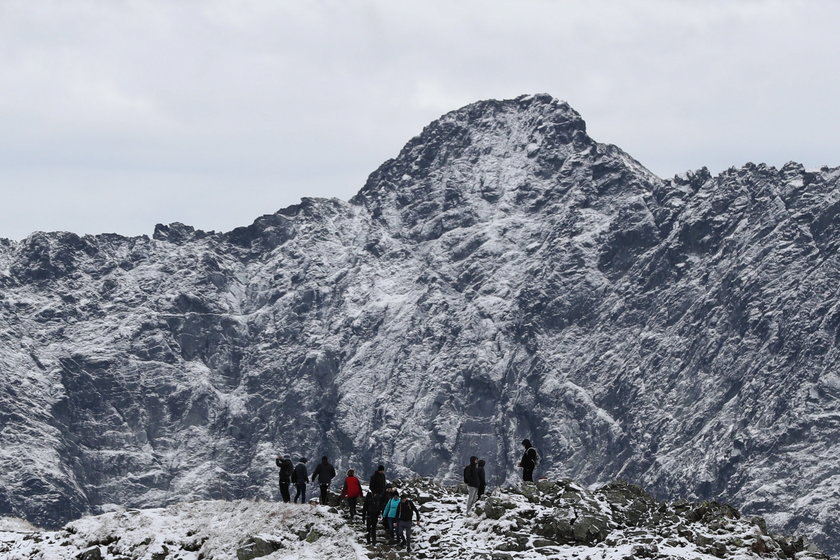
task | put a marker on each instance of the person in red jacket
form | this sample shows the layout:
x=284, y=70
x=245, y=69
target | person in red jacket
x=352, y=490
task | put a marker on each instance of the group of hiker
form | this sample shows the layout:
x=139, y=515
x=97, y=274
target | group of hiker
x=383, y=503
x=396, y=512
x=299, y=476
x=475, y=480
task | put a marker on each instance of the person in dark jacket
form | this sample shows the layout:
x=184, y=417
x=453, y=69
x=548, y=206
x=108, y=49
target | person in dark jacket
x=352, y=490
x=370, y=513
x=377, y=481
x=286, y=469
x=378, y=485
x=299, y=478
x=472, y=481
x=528, y=461
x=404, y=511
x=482, y=482
x=324, y=472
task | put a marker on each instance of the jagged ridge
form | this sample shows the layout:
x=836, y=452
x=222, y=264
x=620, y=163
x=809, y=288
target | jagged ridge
x=505, y=276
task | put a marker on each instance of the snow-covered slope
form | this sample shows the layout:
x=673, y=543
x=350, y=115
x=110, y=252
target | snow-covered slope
x=549, y=520
x=505, y=276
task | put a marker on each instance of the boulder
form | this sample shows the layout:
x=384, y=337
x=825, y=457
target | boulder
x=495, y=508
x=591, y=529
x=92, y=553
x=256, y=547
x=557, y=529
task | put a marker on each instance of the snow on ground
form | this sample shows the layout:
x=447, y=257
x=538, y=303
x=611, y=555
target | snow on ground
x=547, y=520
x=189, y=531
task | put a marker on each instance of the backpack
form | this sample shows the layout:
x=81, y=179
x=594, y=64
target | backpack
x=536, y=456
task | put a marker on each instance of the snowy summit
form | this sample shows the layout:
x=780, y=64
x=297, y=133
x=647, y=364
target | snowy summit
x=505, y=276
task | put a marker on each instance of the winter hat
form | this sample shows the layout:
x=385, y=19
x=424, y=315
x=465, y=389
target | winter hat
x=380, y=468
x=302, y=459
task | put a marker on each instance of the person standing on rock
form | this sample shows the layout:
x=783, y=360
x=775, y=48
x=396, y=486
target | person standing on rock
x=472, y=481
x=529, y=461
x=299, y=478
x=482, y=482
x=324, y=472
x=352, y=490
x=286, y=471
x=404, y=511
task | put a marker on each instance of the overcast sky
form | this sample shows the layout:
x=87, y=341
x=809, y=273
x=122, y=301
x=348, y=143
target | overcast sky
x=117, y=115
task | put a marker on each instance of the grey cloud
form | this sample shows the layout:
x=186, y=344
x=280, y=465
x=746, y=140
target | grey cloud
x=256, y=104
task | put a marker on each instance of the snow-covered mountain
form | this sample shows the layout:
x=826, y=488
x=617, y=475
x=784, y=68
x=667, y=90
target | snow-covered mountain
x=505, y=276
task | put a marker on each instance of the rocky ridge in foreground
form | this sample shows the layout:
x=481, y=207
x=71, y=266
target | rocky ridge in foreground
x=546, y=520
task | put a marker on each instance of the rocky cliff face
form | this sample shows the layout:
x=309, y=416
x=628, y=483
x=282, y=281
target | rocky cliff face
x=505, y=276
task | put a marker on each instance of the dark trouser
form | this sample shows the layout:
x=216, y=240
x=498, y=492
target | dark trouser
x=528, y=475
x=405, y=533
x=301, y=492
x=391, y=529
x=371, y=522
x=352, y=503
x=324, y=497
x=284, y=492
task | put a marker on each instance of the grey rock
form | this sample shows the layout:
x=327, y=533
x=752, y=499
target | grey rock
x=92, y=553
x=313, y=536
x=256, y=547
x=761, y=524
x=494, y=508
x=591, y=529
x=559, y=530
x=504, y=276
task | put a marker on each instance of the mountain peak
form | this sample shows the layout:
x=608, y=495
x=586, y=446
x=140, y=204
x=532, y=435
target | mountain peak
x=532, y=111
x=503, y=277
x=506, y=126
x=476, y=156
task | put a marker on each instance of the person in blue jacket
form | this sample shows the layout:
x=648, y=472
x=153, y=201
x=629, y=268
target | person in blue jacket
x=389, y=514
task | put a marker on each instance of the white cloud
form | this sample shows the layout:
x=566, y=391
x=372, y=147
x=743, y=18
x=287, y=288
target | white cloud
x=255, y=104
